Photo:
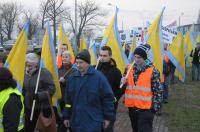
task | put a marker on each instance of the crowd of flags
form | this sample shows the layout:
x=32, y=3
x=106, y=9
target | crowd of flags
x=178, y=52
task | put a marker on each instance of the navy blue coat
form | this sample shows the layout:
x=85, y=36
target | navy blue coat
x=92, y=101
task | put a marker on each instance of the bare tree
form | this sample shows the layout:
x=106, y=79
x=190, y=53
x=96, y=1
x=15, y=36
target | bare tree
x=52, y=10
x=43, y=11
x=34, y=23
x=1, y=32
x=89, y=16
x=10, y=12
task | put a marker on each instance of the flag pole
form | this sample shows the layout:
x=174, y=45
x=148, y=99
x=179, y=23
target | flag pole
x=97, y=63
x=121, y=85
x=36, y=89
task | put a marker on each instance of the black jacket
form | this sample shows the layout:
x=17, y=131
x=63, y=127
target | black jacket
x=11, y=112
x=196, y=56
x=113, y=75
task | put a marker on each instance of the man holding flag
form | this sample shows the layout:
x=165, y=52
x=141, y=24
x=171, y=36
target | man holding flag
x=143, y=92
x=45, y=84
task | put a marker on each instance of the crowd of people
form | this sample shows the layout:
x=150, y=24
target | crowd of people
x=90, y=94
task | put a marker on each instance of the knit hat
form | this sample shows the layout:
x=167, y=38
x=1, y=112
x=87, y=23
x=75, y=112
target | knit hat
x=84, y=55
x=142, y=50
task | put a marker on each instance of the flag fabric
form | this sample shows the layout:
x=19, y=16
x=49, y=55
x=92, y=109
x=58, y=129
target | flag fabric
x=111, y=38
x=189, y=46
x=155, y=40
x=48, y=61
x=92, y=51
x=189, y=42
x=63, y=39
x=177, y=56
x=198, y=38
x=124, y=47
x=16, y=58
x=83, y=44
x=133, y=46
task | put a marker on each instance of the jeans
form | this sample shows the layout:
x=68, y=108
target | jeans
x=196, y=69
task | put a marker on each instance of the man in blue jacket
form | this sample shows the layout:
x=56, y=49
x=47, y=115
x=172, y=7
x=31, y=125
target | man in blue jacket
x=89, y=100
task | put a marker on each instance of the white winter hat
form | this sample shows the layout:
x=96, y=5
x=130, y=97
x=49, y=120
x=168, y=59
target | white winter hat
x=32, y=57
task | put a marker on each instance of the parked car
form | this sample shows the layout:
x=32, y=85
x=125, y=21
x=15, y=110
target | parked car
x=9, y=44
x=2, y=49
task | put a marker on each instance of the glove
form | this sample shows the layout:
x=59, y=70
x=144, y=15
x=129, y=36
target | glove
x=35, y=96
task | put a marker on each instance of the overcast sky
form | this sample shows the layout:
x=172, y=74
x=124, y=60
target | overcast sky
x=134, y=13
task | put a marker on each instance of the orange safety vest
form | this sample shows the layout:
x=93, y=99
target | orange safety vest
x=139, y=95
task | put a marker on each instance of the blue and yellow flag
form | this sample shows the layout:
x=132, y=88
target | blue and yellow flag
x=92, y=51
x=198, y=38
x=124, y=47
x=83, y=44
x=111, y=38
x=16, y=58
x=133, y=46
x=190, y=44
x=177, y=56
x=63, y=39
x=155, y=40
x=48, y=61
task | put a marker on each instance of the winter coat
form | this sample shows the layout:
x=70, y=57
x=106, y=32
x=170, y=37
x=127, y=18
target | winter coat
x=66, y=73
x=113, y=75
x=196, y=56
x=45, y=84
x=91, y=99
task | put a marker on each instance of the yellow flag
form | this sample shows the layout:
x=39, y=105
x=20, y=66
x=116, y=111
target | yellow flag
x=92, y=51
x=177, y=56
x=154, y=39
x=83, y=44
x=124, y=47
x=48, y=61
x=16, y=58
x=133, y=46
x=111, y=38
x=198, y=38
x=189, y=42
x=63, y=39
x=189, y=46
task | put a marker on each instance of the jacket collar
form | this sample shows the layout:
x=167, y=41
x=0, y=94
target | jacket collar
x=90, y=71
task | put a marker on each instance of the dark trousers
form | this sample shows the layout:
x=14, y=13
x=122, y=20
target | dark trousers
x=111, y=126
x=196, y=72
x=30, y=125
x=141, y=120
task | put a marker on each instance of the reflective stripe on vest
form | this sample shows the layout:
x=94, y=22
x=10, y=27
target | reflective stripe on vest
x=139, y=95
x=4, y=96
